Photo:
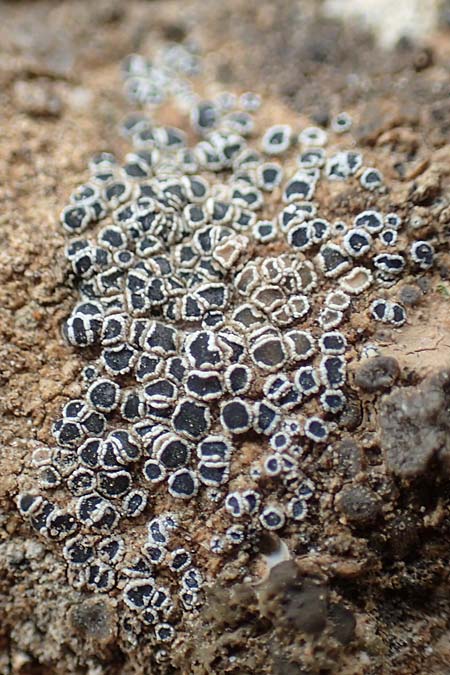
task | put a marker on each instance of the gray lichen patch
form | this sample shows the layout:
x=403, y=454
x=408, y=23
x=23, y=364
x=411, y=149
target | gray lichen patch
x=94, y=620
x=377, y=374
x=415, y=427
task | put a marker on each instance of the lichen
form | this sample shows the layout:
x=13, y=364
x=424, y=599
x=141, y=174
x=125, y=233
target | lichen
x=218, y=310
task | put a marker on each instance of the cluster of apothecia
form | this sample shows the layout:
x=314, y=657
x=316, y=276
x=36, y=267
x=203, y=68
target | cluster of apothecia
x=207, y=325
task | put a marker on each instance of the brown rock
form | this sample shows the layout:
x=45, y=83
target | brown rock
x=359, y=504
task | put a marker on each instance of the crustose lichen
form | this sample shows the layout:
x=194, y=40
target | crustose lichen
x=214, y=305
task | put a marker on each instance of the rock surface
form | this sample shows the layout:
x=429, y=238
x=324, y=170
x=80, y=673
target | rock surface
x=371, y=561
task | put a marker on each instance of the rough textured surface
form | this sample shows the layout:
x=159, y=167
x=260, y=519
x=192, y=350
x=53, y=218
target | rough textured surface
x=60, y=101
x=377, y=373
x=415, y=427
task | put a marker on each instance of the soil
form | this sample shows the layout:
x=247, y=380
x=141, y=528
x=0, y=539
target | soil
x=370, y=593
